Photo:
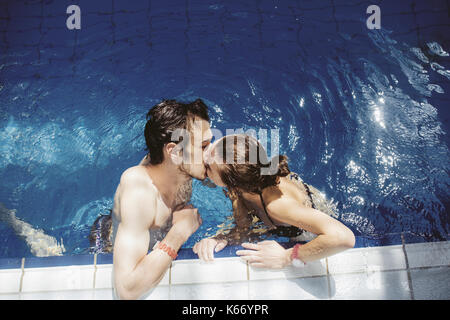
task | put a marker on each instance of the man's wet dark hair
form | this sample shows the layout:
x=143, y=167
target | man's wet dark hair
x=166, y=117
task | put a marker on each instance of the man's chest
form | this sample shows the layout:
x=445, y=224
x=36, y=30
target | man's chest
x=163, y=216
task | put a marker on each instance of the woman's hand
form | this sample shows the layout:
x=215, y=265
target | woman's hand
x=265, y=254
x=205, y=248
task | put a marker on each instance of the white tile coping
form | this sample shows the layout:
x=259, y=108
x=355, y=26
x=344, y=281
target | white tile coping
x=367, y=261
x=219, y=270
x=311, y=269
x=385, y=285
x=58, y=278
x=10, y=280
x=430, y=254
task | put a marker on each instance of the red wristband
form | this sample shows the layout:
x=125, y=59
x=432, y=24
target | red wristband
x=294, y=253
x=164, y=247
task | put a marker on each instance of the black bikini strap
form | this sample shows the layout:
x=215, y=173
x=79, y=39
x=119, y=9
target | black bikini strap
x=309, y=194
x=265, y=210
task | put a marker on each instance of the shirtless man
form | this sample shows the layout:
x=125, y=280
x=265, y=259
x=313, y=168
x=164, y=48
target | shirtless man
x=152, y=198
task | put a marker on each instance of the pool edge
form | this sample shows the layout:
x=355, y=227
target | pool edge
x=403, y=260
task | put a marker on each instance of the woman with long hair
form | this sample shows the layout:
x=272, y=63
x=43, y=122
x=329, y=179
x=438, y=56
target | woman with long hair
x=268, y=190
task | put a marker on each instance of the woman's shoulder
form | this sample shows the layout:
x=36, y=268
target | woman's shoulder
x=294, y=176
x=291, y=188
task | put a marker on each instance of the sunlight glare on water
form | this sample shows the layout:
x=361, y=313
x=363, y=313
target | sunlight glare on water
x=361, y=114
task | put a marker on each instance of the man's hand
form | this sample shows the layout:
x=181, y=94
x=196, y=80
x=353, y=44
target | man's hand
x=206, y=248
x=186, y=221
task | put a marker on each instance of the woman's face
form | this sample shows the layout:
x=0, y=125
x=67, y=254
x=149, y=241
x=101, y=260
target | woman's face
x=212, y=172
x=212, y=168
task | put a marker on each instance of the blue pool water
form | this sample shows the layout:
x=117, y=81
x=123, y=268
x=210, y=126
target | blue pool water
x=363, y=114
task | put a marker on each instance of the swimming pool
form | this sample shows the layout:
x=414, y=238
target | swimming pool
x=362, y=114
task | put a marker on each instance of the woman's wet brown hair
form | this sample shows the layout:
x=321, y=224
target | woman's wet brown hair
x=243, y=162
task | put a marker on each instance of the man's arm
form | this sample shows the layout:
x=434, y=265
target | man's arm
x=135, y=271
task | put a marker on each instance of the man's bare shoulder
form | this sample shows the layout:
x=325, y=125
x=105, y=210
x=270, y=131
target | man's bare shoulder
x=137, y=179
x=137, y=194
x=133, y=174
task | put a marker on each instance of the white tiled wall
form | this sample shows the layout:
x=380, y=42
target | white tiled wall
x=219, y=270
x=362, y=273
x=237, y=290
x=311, y=288
x=315, y=268
x=103, y=276
x=432, y=254
x=431, y=283
x=10, y=280
x=388, y=285
x=367, y=260
x=58, y=278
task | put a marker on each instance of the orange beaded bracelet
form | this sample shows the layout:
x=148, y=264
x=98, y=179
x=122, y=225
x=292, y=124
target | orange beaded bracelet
x=172, y=253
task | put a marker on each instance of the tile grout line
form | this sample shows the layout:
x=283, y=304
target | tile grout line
x=170, y=281
x=430, y=267
x=95, y=270
x=169, y=294
x=328, y=279
x=22, y=268
x=170, y=274
x=248, y=270
x=248, y=279
x=408, y=272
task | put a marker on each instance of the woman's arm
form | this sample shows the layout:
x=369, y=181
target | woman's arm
x=205, y=248
x=332, y=236
x=242, y=220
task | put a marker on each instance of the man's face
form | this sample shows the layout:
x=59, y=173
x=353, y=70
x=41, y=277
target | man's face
x=200, y=137
x=212, y=167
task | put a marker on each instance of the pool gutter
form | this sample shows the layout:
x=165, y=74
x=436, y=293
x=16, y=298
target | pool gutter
x=403, y=271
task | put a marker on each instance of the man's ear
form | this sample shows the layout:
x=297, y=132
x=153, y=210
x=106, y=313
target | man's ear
x=174, y=152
